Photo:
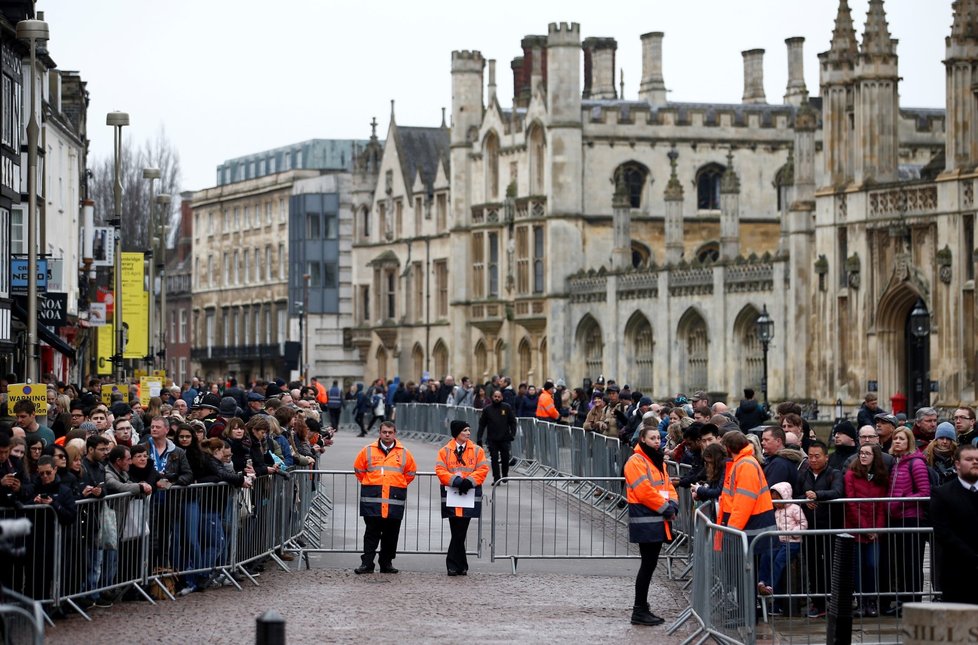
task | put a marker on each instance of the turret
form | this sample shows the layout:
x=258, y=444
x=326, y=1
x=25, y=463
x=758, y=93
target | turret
x=467, y=104
x=729, y=211
x=961, y=61
x=564, y=117
x=796, y=91
x=876, y=103
x=836, y=69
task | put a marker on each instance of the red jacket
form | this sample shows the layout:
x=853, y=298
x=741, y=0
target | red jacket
x=864, y=515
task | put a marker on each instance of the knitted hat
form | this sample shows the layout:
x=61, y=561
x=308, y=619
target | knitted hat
x=457, y=427
x=846, y=428
x=946, y=431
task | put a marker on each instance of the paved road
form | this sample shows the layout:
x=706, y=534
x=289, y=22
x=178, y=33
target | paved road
x=578, y=600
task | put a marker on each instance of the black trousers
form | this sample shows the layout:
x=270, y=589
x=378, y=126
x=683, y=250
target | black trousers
x=650, y=558
x=381, y=531
x=456, y=560
x=334, y=417
x=499, y=452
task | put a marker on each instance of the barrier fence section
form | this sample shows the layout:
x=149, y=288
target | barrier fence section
x=340, y=529
x=182, y=536
x=21, y=619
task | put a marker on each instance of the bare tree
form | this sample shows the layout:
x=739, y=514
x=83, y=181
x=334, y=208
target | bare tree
x=158, y=153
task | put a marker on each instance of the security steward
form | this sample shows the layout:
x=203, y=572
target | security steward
x=745, y=501
x=652, y=502
x=384, y=469
x=498, y=423
x=462, y=465
x=546, y=410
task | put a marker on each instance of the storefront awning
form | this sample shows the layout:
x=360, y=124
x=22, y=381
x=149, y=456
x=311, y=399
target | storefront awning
x=48, y=336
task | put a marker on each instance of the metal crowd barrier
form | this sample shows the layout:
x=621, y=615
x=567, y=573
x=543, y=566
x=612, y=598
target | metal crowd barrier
x=551, y=517
x=21, y=619
x=336, y=516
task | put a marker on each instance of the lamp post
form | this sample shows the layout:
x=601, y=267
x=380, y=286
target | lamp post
x=32, y=31
x=920, y=330
x=304, y=322
x=163, y=201
x=765, y=332
x=117, y=121
x=151, y=174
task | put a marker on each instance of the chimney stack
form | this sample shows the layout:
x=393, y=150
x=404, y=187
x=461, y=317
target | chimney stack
x=653, y=86
x=492, y=81
x=754, y=76
x=599, y=68
x=796, y=91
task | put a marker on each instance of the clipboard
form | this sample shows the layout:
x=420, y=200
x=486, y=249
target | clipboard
x=455, y=499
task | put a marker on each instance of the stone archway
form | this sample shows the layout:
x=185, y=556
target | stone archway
x=749, y=355
x=894, y=343
x=590, y=346
x=694, y=352
x=639, y=344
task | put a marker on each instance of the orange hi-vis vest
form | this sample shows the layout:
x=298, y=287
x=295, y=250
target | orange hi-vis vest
x=545, y=406
x=384, y=479
x=472, y=465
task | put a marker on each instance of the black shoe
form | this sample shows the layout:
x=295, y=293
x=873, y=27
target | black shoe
x=364, y=568
x=104, y=602
x=453, y=573
x=463, y=572
x=642, y=616
x=388, y=569
x=362, y=434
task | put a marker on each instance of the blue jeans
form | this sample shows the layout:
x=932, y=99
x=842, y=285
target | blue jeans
x=868, y=554
x=186, y=536
x=212, y=542
x=774, y=561
x=94, y=570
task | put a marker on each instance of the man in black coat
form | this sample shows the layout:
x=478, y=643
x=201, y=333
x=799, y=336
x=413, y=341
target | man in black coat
x=749, y=414
x=499, y=420
x=954, y=514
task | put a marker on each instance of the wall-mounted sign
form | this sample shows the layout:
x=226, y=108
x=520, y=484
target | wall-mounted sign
x=52, y=309
x=19, y=276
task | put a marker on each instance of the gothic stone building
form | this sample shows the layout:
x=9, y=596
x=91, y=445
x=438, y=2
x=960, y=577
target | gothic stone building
x=592, y=234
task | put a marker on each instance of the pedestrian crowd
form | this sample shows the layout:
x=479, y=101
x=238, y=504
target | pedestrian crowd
x=85, y=449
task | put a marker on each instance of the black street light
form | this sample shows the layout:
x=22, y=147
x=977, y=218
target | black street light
x=765, y=332
x=920, y=330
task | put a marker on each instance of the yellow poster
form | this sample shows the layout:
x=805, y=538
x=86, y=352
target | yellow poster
x=140, y=373
x=36, y=392
x=105, y=350
x=135, y=307
x=149, y=386
x=108, y=389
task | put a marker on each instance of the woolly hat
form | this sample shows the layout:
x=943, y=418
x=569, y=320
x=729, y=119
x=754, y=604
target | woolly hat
x=946, y=431
x=228, y=407
x=457, y=427
x=846, y=428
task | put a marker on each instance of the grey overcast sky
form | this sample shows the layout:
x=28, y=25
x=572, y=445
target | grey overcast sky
x=225, y=78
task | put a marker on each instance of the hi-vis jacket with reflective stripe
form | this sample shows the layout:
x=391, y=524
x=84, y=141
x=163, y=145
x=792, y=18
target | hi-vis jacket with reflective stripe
x=649, y=492
x=451, y=470
x=546, y=408
x=745, y=502
x=384, y=479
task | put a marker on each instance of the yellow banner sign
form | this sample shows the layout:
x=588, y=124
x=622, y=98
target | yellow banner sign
x=108, y=389
x=149, y=386
x=38, y=393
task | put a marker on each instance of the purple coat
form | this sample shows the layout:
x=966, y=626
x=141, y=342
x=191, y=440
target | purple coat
x=909, y=479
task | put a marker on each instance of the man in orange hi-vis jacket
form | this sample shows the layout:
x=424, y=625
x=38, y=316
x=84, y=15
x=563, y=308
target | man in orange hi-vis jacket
x=384, y=469
x=462, y=465
x=546, y=410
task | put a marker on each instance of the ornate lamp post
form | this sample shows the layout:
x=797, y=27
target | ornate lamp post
x=920, y=330
x=117, y=120
x=765, y=332
x=32, y=31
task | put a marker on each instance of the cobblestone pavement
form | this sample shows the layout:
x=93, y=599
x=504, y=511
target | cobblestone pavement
x=336, y=606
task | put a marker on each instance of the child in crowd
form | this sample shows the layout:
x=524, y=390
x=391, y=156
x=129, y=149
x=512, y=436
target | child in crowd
x=778, y=557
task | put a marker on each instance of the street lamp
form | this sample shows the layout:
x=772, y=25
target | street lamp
x=32, y=31
x=765, y=332
x=117, y=120
x=304, y=322
x=163, y=201
x=920, y=329
x=151, y=174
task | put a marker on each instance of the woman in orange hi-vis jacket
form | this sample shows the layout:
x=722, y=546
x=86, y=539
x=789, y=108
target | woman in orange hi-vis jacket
x=462, y=465
x=384, y=469
x=652, y=502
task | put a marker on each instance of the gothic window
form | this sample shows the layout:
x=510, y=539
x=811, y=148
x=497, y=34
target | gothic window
x=382, y=361
x=478, y=266
x=590, y=345
x=491, y=160
x=782, y=182
x=707, y=253
x=638, y=333
x=526, y=361
x=481, y=360
x=641, y=255
x=544, y=364
x=695, y=340
x=708, y=187
x=538, y=268
x=417, y=360
x=440, y=357
x=493, y=265
x=538, y=149
x=635, y=176
x=751, y=353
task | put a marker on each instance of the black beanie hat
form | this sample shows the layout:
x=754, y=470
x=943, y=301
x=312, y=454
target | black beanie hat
x=457, y=426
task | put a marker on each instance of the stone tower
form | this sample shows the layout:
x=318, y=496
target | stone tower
x=564, y=112
x=836, y=70
x=961, y=61
x=876, y=103
x=729, y=211
x=467, y=108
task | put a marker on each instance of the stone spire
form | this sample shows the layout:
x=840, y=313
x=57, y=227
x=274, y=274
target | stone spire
x=674, y=213
x=843, y=45
x=965, y=24
x=961, y=62
x=876, y=37
x=729, y=211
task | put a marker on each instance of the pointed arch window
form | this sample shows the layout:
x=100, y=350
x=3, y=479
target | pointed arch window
x=708, y=187
x=491, y=157
x=636, y=178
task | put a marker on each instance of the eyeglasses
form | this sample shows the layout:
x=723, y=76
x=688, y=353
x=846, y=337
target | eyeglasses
x=868, y=436
x=58, y=456
x=963, y=417
x=37, y=448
